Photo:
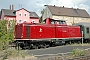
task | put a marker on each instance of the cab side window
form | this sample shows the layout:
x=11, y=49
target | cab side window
x=63, y=22
x=52, y=22
x=87, y=30
x=56, y=22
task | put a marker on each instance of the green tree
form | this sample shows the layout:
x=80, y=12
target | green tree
x=3, y=29
x=73, y=23
x=42, y=12
x=6, y=35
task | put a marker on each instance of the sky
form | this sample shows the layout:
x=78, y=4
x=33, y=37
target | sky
x=38, y=5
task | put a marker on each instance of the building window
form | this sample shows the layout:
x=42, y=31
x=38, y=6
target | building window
x=10, y=20
x=25, y=14
x=20, y=14
x=20, y=21
x=25, y=20
x=87, y=29
x=33, y=21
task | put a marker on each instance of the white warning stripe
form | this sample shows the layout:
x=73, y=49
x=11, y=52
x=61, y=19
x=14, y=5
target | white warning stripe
x=51, y=38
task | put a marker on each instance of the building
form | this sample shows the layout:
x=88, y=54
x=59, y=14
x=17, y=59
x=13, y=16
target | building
x=70, y=15
x=21, y=15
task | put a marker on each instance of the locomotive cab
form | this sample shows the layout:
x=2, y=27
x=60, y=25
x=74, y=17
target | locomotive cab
x=53, y=21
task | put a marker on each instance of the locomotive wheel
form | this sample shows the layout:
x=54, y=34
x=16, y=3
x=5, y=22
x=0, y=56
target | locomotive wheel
x=22, y=47
x=17, y=46
x=32, y=46
x=36, y=47
x=29, y=47
x=78, y=42
x=45, y=46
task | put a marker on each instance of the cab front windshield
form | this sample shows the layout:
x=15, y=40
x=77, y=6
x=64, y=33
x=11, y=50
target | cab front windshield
x=57, y=22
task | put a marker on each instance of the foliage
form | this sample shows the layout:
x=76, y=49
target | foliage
x=40, y=20
x=42, y=12
x=73, y=22
x=12, y=53
x=6, y=33
x=78, y=52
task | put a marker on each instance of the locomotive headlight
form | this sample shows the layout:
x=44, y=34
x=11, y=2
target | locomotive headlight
x=52, y=41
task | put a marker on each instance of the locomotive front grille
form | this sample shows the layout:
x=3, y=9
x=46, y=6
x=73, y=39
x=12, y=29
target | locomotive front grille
x=27, y=32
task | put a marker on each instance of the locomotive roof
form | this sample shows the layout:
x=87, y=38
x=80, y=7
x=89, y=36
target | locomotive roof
x=83, y=23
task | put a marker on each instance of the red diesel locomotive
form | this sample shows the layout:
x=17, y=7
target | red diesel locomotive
x=53, y=32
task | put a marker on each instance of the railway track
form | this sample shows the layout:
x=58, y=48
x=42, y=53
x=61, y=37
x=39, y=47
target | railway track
x=74, y=44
